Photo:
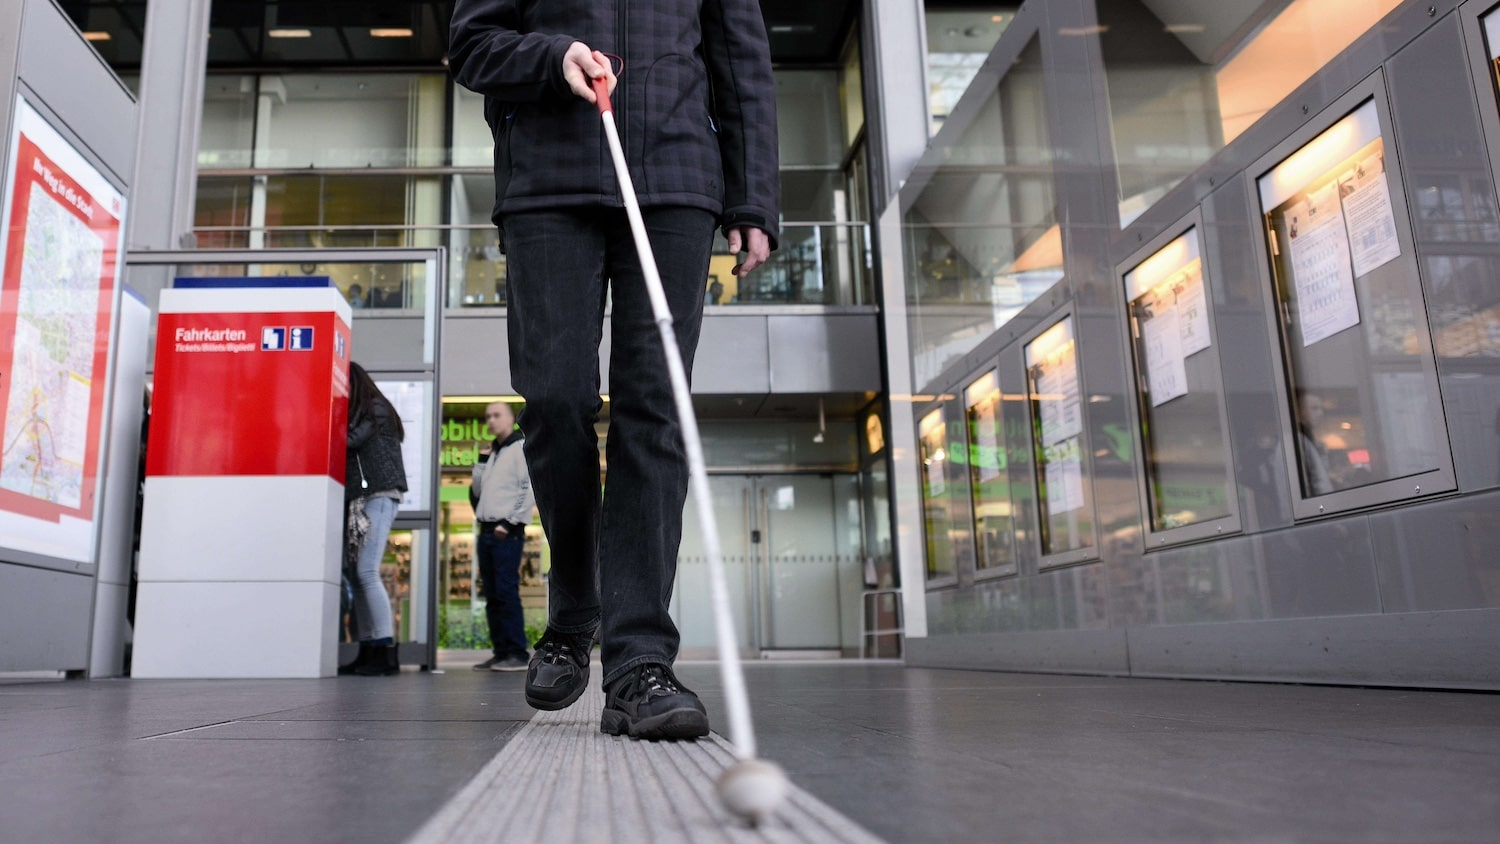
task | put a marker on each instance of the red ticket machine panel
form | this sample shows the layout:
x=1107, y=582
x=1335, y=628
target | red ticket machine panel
x=243, y=391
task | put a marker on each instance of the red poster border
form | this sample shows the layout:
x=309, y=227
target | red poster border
x=106, y=223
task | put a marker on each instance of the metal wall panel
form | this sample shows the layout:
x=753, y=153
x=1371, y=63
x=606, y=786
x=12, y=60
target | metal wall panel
x=44, y=619
x=1432, y=106
x=1444, y=555
x=835, y=353
x=78, y=87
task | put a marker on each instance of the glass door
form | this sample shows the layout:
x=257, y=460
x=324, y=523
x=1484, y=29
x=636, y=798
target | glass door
x=789, y=577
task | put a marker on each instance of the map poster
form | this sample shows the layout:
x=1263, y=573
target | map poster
x=1321, y=268
x=59, y=240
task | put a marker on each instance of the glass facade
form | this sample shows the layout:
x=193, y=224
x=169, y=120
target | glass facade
x=982, y=239
x=959, y=39
x=399, y=159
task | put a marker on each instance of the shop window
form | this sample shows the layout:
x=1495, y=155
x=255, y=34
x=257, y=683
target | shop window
x=959, y=38
x=1179, y=390
x=989, y=479
x=1182, y=82
x=1362, y=391
x=982, y=239
x=222, y=212
x=1059, y=441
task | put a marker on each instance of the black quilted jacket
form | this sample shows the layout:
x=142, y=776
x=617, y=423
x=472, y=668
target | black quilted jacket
x=373, y=459
x=696, y=103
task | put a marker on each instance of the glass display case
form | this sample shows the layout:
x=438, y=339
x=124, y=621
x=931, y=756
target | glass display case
x=1059, y=442
x=1179, y=392
x=989, y=479
x=1361, y=390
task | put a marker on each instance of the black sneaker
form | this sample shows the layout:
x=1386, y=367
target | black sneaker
x=647, y=702
x=510, y=663
x=559, y=669
x=489, y=663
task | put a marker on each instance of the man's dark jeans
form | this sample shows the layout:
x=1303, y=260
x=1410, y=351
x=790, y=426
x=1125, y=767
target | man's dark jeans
x=500, y=580
x=614, y=556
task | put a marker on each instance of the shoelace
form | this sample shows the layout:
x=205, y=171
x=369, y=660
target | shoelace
x=656, y=680
x=553, y=651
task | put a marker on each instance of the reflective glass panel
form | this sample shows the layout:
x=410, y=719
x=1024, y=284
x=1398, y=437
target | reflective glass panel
x=1179, y=387
x=351, y=120
x=959, y=39
x=1058, y=437
x=982, y=239
x=989, y=475
x=227, y=135
x=1184, y=78
x=1354, y=327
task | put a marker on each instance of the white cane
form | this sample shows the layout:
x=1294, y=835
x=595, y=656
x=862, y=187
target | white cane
x=751, y=788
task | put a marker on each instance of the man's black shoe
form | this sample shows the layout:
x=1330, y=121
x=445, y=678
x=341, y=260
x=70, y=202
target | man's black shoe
x=559, y=669
x=647, y=702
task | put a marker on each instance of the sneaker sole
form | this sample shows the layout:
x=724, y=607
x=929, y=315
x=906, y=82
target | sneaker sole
x=553, y=706
x=677, y=725
x=508, y=668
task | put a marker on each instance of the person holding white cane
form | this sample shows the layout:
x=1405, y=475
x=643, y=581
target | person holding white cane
x=695, y=103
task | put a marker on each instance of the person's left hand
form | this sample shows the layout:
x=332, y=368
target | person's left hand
x=501, y=532
x=754, y=243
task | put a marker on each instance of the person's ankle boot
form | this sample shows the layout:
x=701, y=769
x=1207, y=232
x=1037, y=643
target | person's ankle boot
x=353, y=667
x=382, y=662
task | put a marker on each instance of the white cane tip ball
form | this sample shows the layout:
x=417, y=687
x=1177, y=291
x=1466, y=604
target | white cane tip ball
x=752, y=789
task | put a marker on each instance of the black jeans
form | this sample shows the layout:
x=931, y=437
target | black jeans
x=500, y=583
x=614, y=555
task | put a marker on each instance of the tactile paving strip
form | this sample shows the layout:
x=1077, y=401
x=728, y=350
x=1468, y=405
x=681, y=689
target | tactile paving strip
x=560, y=780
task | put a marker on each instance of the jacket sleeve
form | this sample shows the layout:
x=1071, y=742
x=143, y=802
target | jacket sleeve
x=738, y=56
x=488, y=56
x=521, y=512
x=360, y=431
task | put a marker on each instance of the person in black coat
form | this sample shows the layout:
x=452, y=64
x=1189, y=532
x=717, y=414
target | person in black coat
x=374, y=479
x=695, y=102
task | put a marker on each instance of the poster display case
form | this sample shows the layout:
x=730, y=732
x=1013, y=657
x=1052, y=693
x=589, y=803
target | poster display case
x=1188, y=483
x=1361, y=384
x=1060, y=444
x=939, y=497
x=60, y=222
x=989, y=479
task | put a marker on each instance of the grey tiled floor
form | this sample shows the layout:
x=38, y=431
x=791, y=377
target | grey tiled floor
x=912, y=755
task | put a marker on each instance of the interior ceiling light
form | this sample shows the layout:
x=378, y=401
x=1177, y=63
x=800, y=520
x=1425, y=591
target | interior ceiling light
x=1082, y=30
x=394, y=32
x=96, y=36
x=1185, y=28
x=791, y=29
x=289, y=33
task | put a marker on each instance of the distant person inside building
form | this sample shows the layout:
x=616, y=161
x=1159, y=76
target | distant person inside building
x=715, y=292
x=357, y=298
x=1310, y=414
x=501, y=495
x=696, y=104
x=374, y=479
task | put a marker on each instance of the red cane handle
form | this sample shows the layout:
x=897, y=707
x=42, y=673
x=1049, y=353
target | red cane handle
x=601, y=94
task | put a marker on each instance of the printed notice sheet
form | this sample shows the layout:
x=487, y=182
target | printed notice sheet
x=1367, y=210
x=1321, y=270
x=1166, y=364
x=1064, y=478
x=986, y=440
x=1056, y=382
x=1192, y=311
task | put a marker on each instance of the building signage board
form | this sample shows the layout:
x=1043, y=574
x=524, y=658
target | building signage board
x=59, y=238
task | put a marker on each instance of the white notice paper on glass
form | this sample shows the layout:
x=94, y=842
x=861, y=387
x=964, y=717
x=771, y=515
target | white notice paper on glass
x=410, y=399
x=1367, y=209
x=987, y=438
x=1064, y=480
x=1166, y=366
x=1321, y=269
x=1057, y=385
x=1192, y=312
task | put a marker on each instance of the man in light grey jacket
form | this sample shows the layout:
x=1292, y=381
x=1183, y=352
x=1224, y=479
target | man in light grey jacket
x=502, y=499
